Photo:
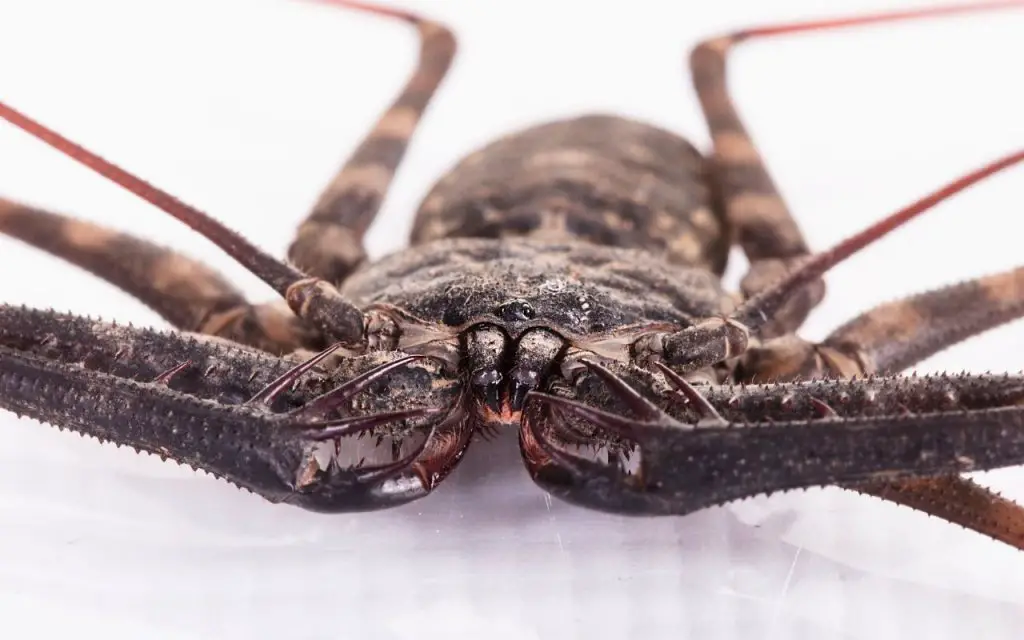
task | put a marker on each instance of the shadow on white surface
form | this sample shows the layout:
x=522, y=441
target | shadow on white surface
x=488, y=553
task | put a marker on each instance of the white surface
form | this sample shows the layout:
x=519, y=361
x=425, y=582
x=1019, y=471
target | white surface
x=246, y=108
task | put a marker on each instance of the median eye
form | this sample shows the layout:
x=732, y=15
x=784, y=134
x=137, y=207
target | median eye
x=516, y=311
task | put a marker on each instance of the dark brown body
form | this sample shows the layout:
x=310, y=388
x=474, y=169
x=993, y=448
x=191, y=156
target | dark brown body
x=602, y=179
x=597, y=223
x=563, y=280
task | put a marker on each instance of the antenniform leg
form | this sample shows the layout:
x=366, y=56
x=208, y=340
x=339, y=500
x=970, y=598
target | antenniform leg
x=329, y=243
x=312, y=299
x=720, y=339
x=349, y=203
x=260, y=422
x=697, y=449
x=185, y=292
x=764, y=227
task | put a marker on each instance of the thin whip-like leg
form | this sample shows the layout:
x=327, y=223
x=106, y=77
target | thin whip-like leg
x=762, y=222
x=718, y=339
x=185, y=292
x=329, y=243
x=312, y=299
x=215, y=408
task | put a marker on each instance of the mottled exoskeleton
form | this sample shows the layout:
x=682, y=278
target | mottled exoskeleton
x=562, y=281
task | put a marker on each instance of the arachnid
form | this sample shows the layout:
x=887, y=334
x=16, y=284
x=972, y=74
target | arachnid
x=563, y=281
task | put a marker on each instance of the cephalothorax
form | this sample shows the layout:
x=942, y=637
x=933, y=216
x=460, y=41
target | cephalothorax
x=563, y=281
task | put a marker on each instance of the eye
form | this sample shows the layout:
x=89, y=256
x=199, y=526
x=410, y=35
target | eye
x=516, y=310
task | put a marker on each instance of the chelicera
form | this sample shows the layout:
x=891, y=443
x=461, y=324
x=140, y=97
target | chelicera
x=562, y=281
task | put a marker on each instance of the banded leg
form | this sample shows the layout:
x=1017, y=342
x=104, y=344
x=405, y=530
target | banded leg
x=761, y=222
x=894, y=335
x=312, y=299
x=329, y=243
x=765, y=228
x=897, y=335
x=890, y=338
x=252, y=419
x=185, y=292
x=719, y=339
x=955, y=499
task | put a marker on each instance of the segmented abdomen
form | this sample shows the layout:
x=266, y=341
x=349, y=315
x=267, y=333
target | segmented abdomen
x=603, y=179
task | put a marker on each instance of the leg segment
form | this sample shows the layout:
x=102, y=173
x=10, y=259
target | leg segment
x=312, y=299
x=890, y=338
x=329, y=243
x=755, y=210
x=764, y=226
x=718, y=339
x=894, y=335
x=99, y=380
x=185, y=292
x=956, y=499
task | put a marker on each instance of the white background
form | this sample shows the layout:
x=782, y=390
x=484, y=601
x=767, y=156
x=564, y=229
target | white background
x=246, y=108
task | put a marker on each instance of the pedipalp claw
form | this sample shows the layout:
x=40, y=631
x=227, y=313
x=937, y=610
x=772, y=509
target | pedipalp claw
x=342, y=427
x=619, y=425
x=267, y=394
x=707, y=412
x=336, y=397
x=640, y=405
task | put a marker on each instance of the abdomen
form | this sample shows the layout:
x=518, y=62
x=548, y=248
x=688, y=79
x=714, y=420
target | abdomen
x=598, y=179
